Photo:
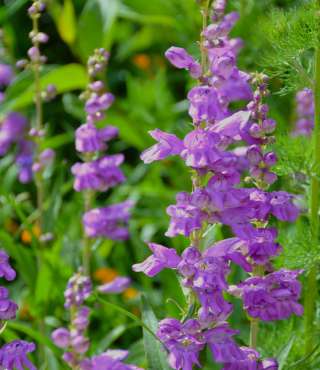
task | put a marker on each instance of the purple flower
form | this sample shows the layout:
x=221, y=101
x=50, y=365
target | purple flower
x=161, y=258
x=100, y=174
x=305, y=112
x=260, y=163
x=260, y=242
x=14, y=355
x=78, y=289
x=183, y=341
x=24, y=160
x=6, y=75
x=232, y=249
x=272, y=297
x=168, y=144
x=204, y=104
x=207, y=277
x=118, y=285
x=221, y=29
x=6, y=271
x=185, y=217
x=201, y=149
x=222, y=345
x=111, y=360
x=232, y=125
x=91, y=139
x=109, y=222
x=98, y=103
x=282, y=206
x=251, y=361
x=181, y=59
x=61, y=337
x=8, y=308
x=12, y=130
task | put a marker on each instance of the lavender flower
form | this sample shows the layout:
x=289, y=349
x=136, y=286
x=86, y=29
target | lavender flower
x=14, y=355
x=305, y=113
x=109, y=222
x=118, y=285
x=8, y=308
x=6, y=75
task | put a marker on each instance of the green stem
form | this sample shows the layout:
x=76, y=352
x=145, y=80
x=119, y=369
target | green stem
x=311, y=284
x=254, y=329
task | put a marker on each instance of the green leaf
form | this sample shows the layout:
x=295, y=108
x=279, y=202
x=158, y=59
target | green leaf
x=156, y=355
x=66, y=22
x=284, y=353
x=65, y=78
x=95, y=26
x=10, y=9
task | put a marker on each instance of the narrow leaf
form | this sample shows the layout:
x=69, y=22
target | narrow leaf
x=155, y=352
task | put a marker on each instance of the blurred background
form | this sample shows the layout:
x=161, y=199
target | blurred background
x=149, y=94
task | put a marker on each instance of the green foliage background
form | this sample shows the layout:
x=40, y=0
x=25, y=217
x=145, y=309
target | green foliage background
x=150, y=94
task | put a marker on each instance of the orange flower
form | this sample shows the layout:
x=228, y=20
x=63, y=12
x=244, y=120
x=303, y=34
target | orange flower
x=26, y=236
x=105, y=275
x=130, y=293
x=142, y=61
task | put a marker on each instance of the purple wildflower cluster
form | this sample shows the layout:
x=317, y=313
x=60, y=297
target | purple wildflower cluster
x=13, y=355
x=305, y=113
x=219, y=196
x=98, y=173
x=73, y=340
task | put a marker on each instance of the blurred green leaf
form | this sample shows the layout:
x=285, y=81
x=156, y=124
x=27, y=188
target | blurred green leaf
x=95, y=26
x=155, y=352
x=65, y=19
x=10, y=9
x=65, y=78
x=284, y=353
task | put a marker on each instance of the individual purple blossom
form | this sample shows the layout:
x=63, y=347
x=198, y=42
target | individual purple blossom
x=118, y=285
x=6, y=75
x=78, y=289
x=181, y=59
x=8, y=308
x=204, y=104
x=161, y=258
x=12, y=130
x=98, y=103
x=183, y=341
x=251, y=361
x=259, y=164
x=168, y=144
x=24, y=160
x=61, y=337
x=13, y=355
x=100, y=174
x=6, y=271
x=305, y=113
x=111, y=360
x=185, y=216
x=110, y=222
x=206, y=276
x=222, y=345
x=272, y=297
x=90, y=139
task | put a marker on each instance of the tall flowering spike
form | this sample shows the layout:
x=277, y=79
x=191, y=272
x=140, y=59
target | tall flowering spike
x=13, y=355
x=97, y=172
x=218, y=198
